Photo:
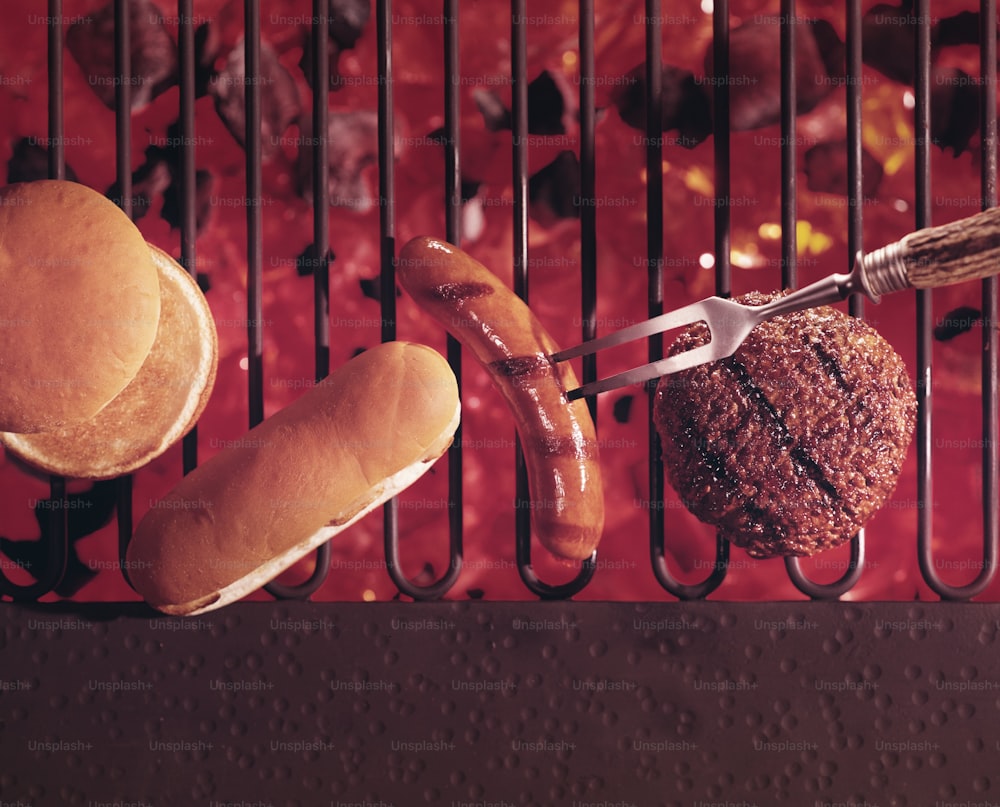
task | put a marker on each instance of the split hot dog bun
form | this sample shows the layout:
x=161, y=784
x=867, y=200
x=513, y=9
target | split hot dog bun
x=365, y=433
x=158, y=407
x=79, y=304
x=558, y=435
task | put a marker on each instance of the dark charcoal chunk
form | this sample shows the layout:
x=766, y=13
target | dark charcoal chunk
x=333, y=67
x=826, y=170
x=685, y=104
x=204, y=58
x=348, y=19
x=623, y=408
x=470, y=188
x=755, y=74
x=371, y=287
x=554, y=192
x=546, y=106
x=171, y=212
x=30, y=162
x=496, y=116
x=352, y=146
x=956, y=322
x=832, y=50
x=887, y=41
x=279, y=97
x=153, y=52
x=89, y=511
x=149, y=181
x=307, y=263
x=954, y=109
x=959, y=29
x=549, y=105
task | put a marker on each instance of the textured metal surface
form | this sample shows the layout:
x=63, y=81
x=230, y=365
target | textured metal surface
x=803, y=703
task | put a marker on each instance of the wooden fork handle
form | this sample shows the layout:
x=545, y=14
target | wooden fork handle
x=968, y=249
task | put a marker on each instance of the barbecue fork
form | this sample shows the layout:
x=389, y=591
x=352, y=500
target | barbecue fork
x=962, y=250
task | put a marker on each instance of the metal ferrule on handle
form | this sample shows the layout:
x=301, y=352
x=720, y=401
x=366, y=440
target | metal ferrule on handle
x=883, y=271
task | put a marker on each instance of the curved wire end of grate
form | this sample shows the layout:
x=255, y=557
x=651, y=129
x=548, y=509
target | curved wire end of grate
x=55, y=538
x=836, y=589
x=689, y=591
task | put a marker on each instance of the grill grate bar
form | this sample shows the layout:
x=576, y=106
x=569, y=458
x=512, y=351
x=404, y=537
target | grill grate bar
x=453, y=234
x=320, y=263
x=254, y=215
x=789, y=214
x=990, y=287
x=856, y=560
x=519, y=130
x=987, y=51
x=189, y=227
x=721, y=207
x=588, y=193
x=123, y=166
x=452, y=214
x=55, y=535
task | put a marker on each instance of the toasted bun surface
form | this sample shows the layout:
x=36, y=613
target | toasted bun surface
x=159, y=406
x=79, y=305
x=366, y=432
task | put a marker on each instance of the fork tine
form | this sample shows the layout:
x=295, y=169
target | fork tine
x=672, y=364
x=687, y=315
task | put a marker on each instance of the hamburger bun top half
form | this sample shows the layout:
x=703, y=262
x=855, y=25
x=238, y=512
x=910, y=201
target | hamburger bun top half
x=79, y=304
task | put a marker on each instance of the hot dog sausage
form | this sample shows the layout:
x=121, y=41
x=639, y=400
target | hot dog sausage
x=557, y=435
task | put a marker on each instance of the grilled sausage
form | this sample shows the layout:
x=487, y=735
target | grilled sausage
x=558, y=436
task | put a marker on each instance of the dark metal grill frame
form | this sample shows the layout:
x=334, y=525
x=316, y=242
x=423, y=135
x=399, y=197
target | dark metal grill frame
x=56, y=539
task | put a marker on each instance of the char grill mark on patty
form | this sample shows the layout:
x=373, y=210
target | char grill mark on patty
x=830, y=364
x=799, y=454
x=716, y=464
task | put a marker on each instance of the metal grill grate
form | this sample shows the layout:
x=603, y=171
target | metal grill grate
x=56, y=540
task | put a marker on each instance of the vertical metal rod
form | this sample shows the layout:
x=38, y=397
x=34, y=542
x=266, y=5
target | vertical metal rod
x=185, y=48
x=588, y=189
x=654, y=200
x=387, y=229
x=987, y=55
x=57, y=150
x=321, y=188
x=123, y=170
x=991, y=342
x=519, y=118
x=519, y=126
x=57, y=536
x=654, y=261
x=789, y=217
x=55, y=529
x=453, y=213
x=855, y=180
x=855, y=565
x=453, y=233
x=255, y=241
x=924, y=298
x=721, y=157
x=321, y=252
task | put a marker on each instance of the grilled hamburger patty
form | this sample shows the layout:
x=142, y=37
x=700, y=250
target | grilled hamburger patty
x=790, y=445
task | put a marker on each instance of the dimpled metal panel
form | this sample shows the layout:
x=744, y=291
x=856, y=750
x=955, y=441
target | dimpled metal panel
x=497, y=704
